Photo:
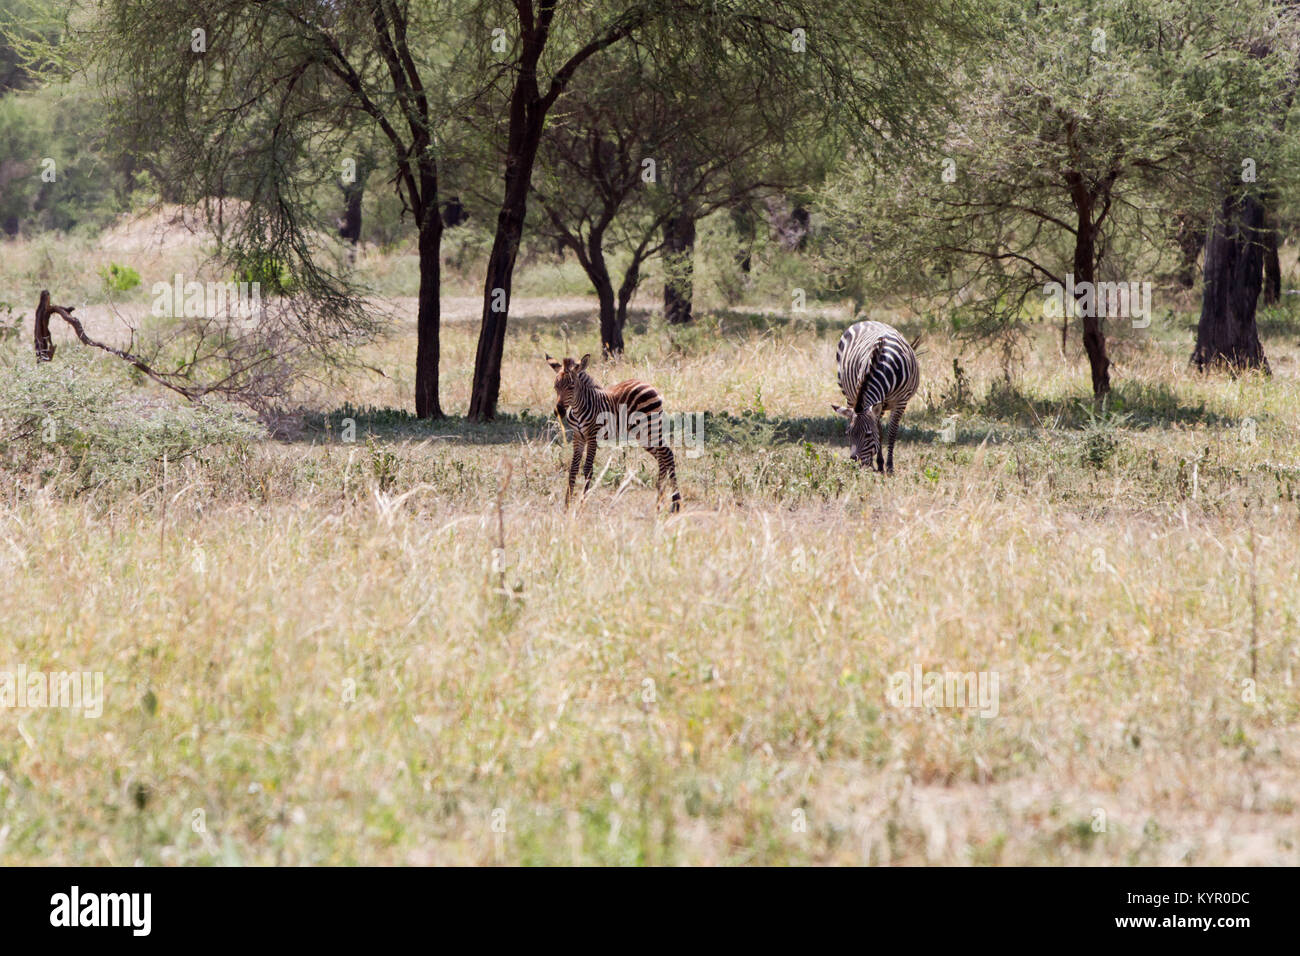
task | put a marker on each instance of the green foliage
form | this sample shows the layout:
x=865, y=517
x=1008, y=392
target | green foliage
x=71, y=421
x=10, y=328
x=271, y=273
x=1116, y=114
x=119, y=278
x=1099, y=440
x=52, y=124
x=21, y=23
x=383, y=464
x=751, y=430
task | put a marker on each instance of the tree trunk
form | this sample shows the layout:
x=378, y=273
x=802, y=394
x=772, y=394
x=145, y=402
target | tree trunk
x=1094, y=334
x=454, y=213
x=526, y=120
x=801, y=219
x=428, y=320
x=593, y=263
x=350, y=224
x=1226, y=334
x=353, y=194
x=631, y=279
x=43, y=341
x=496, y=301
x=496, y=305
x=611, y=334
x=679, y=258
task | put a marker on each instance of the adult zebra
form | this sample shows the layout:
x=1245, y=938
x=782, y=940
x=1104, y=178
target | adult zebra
x=629, y=410
x=878, y=372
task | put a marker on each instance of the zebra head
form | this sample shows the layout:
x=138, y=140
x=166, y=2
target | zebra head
x=864, y=434
x=568, y=374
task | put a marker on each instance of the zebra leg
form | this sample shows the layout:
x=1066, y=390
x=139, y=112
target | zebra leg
x=652, y=440
x=894, y=417
x=587, y=465
x=667, y=469
x=573, y=467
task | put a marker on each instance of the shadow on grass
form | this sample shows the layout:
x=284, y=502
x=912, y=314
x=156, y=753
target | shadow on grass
x=753, y=324
x=1145, y=407
x=1004, y=410
x=747, y=431
x=348, y=423
x=555, y=324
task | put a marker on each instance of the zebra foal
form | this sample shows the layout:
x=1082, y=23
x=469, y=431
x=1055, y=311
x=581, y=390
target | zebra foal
x=877, y=372
x=593, y=412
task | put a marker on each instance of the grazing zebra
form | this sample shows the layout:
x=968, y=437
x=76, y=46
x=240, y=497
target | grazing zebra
x=878, y=372
x=594, y=412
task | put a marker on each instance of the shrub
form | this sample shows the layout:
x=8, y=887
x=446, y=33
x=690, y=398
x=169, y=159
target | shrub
x=119, y=278
x=1098, y=442
x=10, y=328
x=957, y=396
x=73, y=418
x=272, y=275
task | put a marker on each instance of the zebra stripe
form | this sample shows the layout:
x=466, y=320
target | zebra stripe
x=877, y=372
x=588, y=408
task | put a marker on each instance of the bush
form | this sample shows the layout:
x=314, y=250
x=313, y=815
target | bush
x=1099, y=441
x=71, y=417
x=272, y=275
x=119, y=278
x=10, y=328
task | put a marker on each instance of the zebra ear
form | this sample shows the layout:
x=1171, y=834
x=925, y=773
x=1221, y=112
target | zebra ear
x=845, y=413
x=585, y=359
x=552, y=363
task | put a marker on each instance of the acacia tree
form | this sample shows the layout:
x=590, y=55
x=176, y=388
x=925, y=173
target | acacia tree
x=1088, y=122
x=871, y=64
x=23, y=25
x=262, y=101
x=590, y=180
x=1241, y=254
x=679, y=245
x=539, y=41
x=1234, y=268
x=869, y=77
x=613, y=174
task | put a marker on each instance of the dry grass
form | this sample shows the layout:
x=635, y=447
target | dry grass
x=312, y=643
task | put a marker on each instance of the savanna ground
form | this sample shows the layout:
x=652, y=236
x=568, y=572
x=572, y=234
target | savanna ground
x=312, y=654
